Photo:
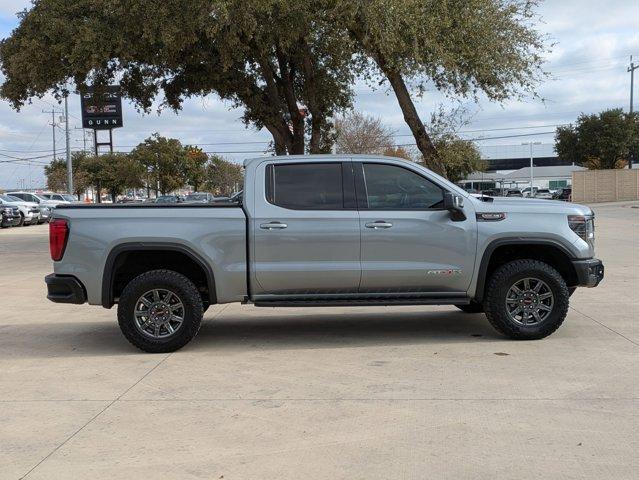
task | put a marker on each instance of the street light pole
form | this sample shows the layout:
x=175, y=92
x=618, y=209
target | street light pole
x=532, y=192
x=631, y=69
x=68, y=145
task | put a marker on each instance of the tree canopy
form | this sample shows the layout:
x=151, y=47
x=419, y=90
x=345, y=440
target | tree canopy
x=600, y=141
x=291, y=66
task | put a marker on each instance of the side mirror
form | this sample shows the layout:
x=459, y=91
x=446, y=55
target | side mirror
x=455, y=205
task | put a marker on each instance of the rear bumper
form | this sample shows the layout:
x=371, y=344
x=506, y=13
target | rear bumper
x=589, y=272
x=65, y=289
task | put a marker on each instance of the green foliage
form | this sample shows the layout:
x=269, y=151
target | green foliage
x=266, y=56
x=194, y=167
x=114, y=172
x=56, y=174
x=164, y=161
x=460, y=157
x=223, y=177
x=600, y=141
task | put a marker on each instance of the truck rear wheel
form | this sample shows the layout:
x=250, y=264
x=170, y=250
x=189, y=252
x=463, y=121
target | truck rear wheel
x=526, y=299
x=160, y=311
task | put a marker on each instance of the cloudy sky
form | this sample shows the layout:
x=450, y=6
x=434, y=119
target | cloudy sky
x=594, y=40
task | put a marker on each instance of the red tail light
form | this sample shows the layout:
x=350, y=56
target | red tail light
x=58, y=235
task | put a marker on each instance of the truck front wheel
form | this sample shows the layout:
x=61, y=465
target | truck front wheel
x=160, y=311
x=526, y=299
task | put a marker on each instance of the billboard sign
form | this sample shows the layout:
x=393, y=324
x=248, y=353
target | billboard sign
x=102, y=112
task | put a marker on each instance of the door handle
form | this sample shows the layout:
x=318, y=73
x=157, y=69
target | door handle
x=378, y=225
x=273, y=226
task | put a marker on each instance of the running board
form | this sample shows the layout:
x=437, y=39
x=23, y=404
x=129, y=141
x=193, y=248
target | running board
x=361, y=301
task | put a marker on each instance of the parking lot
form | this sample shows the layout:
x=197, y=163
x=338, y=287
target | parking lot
x=360, y=393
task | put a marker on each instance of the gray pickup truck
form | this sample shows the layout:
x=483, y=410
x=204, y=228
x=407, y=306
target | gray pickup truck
x=325, y=231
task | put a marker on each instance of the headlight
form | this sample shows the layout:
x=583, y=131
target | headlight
x=584, y=226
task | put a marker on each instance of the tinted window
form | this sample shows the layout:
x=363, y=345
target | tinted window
x=390, y=187
x=306, y=186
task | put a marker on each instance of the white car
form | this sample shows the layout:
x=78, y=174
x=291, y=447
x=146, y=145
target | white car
x=29, y=211
x=46, y=206
x=60, y=198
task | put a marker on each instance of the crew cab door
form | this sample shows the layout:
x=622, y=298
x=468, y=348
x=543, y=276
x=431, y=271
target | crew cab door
x=409, y=242
x=305, y=229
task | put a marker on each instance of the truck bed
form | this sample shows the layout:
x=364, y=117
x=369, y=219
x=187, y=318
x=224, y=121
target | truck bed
x=214, y=234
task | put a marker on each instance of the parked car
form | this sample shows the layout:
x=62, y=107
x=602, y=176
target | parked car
x=202, y=197
x=564, y=193
x=168, y=199
x=29, y=212
x=513, y=192
x=9, y=216
x=544, y=194
x=59, y=197
x=326, y=230
x=46, y=206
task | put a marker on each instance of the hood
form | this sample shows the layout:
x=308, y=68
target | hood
x=530, y=205
x=23, y=204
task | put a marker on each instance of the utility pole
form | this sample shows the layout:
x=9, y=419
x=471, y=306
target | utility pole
x=532, y=192
x=53, y=125
x=631, y=69
x=68, y=145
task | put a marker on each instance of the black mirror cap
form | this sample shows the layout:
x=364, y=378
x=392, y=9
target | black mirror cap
x=455, y=205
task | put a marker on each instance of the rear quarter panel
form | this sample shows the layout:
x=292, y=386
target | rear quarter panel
x=217, y=235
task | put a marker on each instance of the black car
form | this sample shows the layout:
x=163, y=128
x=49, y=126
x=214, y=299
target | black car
x=10, y=216
x=513, y=192
x=564, y=193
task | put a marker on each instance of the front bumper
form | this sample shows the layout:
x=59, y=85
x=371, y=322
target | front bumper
x=589, y=272
x=65, y=289
x=10, y=220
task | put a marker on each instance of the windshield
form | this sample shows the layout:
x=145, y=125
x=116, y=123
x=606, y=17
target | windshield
x=11, y=198
x=68, y=197
x=7, y=198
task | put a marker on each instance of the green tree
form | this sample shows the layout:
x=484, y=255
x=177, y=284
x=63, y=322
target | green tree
x=164, y=161
x=600, y=141
x=121, y=171
x=460, y=47
x=270, y=57
x=56, y=174
x=195, y=167
x=223, y=177
x=460, y=157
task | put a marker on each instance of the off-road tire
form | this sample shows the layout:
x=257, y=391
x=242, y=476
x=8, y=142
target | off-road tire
x=472, y=307
x=180, y=286
x=497, y=289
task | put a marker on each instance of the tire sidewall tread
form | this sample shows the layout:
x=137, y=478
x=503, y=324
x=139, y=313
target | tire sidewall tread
x=165, y=279
x=501, y=281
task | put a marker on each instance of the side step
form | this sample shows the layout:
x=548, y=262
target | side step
x=361, y=302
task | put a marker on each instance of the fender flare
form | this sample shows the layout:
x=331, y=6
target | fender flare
x=500, y=242
x=107, y=274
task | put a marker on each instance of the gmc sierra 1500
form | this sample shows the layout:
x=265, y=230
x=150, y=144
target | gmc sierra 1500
x=325, y=231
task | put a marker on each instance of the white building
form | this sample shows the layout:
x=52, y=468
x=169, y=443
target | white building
x=543, y=177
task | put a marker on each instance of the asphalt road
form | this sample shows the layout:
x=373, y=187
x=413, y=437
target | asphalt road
x=362, y=393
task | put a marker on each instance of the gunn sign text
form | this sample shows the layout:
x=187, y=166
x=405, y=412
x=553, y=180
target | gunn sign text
x=101, y=111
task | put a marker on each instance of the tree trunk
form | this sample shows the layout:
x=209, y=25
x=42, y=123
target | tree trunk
x=98, y=189
x=411, y=117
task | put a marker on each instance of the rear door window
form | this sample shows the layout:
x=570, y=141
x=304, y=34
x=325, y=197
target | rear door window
x=305, y=186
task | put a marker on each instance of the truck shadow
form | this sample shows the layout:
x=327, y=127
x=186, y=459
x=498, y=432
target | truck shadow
x=354, y=329
x=311, y=329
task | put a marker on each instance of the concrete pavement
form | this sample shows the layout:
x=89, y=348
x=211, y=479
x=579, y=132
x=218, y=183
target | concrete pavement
x=370, y=393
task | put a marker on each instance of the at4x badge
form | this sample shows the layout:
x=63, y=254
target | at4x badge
x=445, y=272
